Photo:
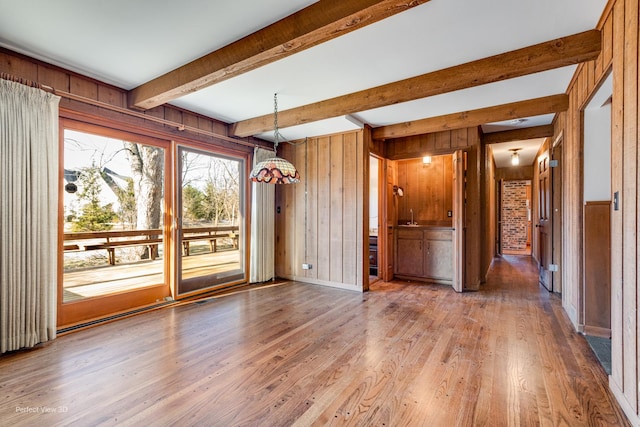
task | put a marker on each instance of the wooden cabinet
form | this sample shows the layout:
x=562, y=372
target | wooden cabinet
x=423, y=253
x=438, y=255
x=373, y=255
x=409, y=253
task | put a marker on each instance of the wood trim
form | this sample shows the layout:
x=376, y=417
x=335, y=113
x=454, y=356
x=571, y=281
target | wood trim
x=629, y=198
x=466, y=119
x=518, y=134
x=540, y=57
x=313, y=25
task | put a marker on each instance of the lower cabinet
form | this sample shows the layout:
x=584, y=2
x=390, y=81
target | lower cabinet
x=423, y=253
x=409, y=256
x=438, y=256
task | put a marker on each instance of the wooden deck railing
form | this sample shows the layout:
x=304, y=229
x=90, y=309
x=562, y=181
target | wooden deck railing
x=112, y=240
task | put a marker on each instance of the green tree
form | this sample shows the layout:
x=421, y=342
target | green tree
x=93, y=216
x=193, y=204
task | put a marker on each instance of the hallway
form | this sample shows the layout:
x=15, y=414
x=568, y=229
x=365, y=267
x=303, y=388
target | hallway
x=403, y=354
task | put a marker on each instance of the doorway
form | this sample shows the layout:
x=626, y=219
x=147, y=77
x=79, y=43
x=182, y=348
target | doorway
x=374, y=217
x=515, y=217
x=596, y=286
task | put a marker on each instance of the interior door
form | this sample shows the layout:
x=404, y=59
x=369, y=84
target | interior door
x=545, y=255
x=390, y=201
x=498, y=247
x=556, y=214
x=459, y=196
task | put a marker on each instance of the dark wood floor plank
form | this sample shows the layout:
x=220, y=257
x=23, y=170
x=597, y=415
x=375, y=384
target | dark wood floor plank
x=297, y=354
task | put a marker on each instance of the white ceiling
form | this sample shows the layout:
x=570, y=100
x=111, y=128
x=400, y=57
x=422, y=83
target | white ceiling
x=127, y=43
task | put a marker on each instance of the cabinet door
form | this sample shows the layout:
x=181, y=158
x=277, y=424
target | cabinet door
x=438, y=259
x=409, y=257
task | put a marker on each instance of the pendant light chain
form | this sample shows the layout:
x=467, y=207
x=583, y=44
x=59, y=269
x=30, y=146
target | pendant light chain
x=276, y=133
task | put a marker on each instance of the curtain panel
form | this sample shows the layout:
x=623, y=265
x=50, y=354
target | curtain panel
x=28, y=217
x=262, y=259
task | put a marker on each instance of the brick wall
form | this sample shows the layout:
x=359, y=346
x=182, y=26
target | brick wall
x=515, y=215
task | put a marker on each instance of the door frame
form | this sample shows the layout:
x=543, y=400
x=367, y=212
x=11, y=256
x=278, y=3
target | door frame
x=88, y=309
x=459, y=220
x=243, y=244
x=545, y=219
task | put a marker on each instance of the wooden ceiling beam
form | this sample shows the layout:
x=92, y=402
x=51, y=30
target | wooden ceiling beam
x=540, y=57
x=465, y=119
x=315, y=24
x=522, y=134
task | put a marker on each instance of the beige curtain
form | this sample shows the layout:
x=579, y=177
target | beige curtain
x=262, y=266
x=28, y=215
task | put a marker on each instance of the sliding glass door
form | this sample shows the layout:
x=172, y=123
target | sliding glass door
x=210, y=231
x=144, y=220
x=113, y=219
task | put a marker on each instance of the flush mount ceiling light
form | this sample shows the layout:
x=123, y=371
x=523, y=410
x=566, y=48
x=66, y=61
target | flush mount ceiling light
x=275, y=170
x=516, y=122
x=515, y=157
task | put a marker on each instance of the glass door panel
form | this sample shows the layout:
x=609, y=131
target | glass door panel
x=211, y=223
x=114, y=221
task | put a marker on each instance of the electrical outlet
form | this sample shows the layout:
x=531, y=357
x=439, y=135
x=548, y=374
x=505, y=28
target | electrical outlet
x=449, y=214
x=306, y=266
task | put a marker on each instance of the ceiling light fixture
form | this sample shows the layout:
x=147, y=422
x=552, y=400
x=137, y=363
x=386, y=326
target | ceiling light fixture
x=515, y=157
x=275, y=170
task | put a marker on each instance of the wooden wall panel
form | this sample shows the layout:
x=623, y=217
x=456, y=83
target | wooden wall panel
x=630, y=204
x=597, y=267
x=300, y=212
x=514, y=173
x=324, y=200
x=333, y=238
x=350, y=209
x=617, y=117
x=427, y=190
x=413, y=147
x=489, y=214
x=336, y=213
x=21, y=66
x=620, y=52
x=311, y=160
x=473, y=214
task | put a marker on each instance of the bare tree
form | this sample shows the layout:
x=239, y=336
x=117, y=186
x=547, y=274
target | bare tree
x=147, y=169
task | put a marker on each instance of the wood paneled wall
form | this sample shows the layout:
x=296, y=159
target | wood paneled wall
x=489, y=211
x=597, y=270
x=474, y=199
x=620, y=33
x=27, y=68
x=518, y=173
x=320, y=221
x=445, y=142
x=427, y=190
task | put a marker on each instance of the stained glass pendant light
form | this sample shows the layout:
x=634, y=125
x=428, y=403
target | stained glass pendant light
x=275, y=170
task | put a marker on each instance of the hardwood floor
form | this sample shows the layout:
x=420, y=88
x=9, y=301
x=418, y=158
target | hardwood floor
x=403, y=354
